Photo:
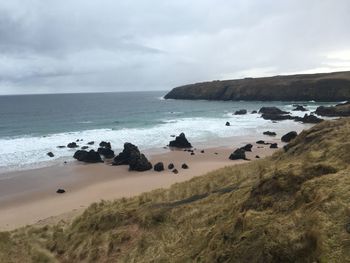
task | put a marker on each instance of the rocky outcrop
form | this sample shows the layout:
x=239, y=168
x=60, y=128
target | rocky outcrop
x=308, y=119
x=72, y=145
x=272, y=110
x=180, y=142
x=87, y=157
x=105, y=145
x=340, y=110
x=133, y=157
x=304, y=87
x=247, y=147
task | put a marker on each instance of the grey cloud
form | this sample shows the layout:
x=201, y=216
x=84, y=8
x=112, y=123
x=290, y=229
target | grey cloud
x=78, y=45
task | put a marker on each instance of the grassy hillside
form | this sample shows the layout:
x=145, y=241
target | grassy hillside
x=291, y=207
x=303, y=87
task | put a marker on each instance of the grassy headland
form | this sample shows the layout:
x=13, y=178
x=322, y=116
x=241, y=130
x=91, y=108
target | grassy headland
x=291, y=207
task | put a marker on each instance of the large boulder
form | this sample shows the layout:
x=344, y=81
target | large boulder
x=240, y=112
x=272, y=110
x=87, y=157
x=180, y=142
x=138, y=162
x=106, y=152
x=289, y=136
x=238, y=154
x=123, y=158
x=105, y=145
x=158, y=167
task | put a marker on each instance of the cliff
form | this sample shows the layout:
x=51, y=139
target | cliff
x=319, y=87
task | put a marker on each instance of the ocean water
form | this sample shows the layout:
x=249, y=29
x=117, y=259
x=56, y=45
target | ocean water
x=32, y=125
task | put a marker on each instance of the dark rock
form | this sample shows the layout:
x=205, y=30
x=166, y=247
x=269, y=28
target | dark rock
x=238, y=154
x=228, y=123
x=254, y=112
x=309, y=119
x=289, y=136
x=123, y=158
x=138, y=162
x=192, y=153
x=216, y=153
x=87, y=157
x=273, y=146
x=184, y=166
x=202, y=151
x=180, y=142
x=173, y=135
x=72, y=145
x=65, y=162
x=299, y=108
x=105, y=145
x=159, y=167
x=91, y=143
x=257, y=156
x=269, y=133
x=276, y=117
x=171, y=166
x=272, y=111
x=261, y=142
x=61, y=146
x=240, y=112
x=175, y=171
x=247, y=148
x=340, y=110
x=50, y=154
x=84, y=147
x=60, y=191
x=106, y=152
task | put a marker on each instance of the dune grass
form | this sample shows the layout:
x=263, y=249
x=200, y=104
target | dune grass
x=290, y=207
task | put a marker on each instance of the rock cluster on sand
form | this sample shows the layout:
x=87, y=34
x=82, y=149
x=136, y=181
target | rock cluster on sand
x=180, y=142
x=88, y=156
x=133, y=157
x=289, y=136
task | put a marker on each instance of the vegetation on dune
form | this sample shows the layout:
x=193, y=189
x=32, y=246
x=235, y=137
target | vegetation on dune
x=291, y=207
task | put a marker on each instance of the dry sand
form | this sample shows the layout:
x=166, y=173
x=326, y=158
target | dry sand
x=29, y=197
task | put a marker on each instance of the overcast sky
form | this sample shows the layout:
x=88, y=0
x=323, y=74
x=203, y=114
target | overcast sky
x=117, y=45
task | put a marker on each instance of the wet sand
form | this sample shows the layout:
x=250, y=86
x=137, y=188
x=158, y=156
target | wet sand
x=29, y=197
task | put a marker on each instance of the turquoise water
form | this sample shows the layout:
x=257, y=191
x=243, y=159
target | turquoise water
x=32, y=125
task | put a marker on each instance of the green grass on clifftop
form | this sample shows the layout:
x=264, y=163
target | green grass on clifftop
x=291, y=207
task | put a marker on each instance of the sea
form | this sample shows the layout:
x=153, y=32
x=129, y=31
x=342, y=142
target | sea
x=33, y=125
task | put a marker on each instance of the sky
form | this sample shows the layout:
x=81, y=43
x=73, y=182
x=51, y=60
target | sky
x=61, y=46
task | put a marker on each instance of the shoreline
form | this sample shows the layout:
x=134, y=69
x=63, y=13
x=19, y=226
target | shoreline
x=29, y=197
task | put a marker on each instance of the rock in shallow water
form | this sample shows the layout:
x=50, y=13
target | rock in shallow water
x=50, y=154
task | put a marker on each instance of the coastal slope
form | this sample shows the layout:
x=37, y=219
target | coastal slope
x=305, y=87
x=290, y=207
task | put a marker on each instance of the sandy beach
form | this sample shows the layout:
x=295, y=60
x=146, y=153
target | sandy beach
x=29, y=197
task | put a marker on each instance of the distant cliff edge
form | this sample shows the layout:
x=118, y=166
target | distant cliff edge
x=319, y=87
